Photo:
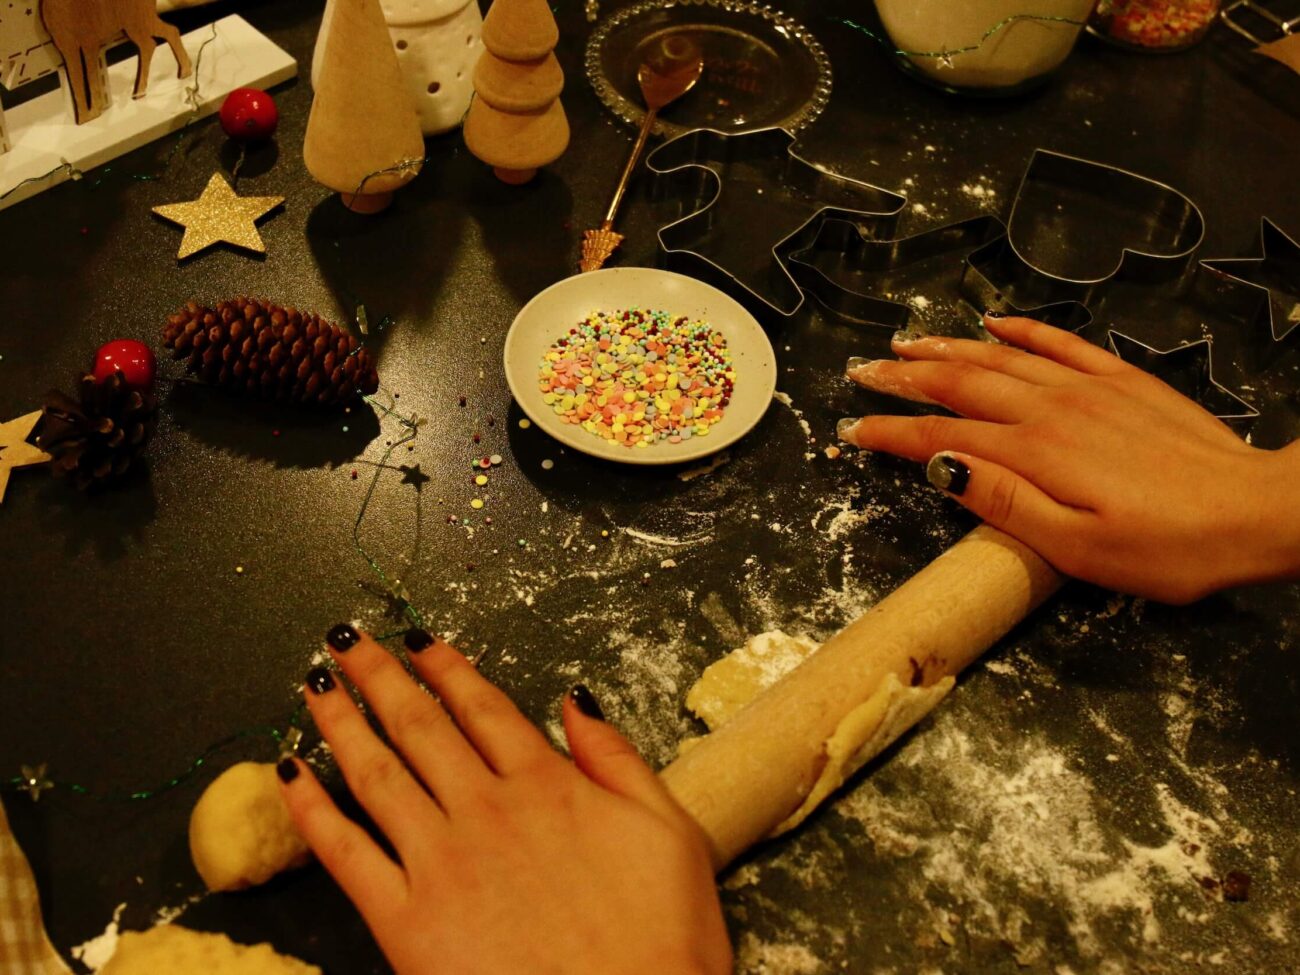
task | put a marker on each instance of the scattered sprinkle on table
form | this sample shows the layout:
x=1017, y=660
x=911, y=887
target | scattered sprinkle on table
x=525, y=423
x=476, y=503
x=547, y=464
x=638, y=377
x=481, y=480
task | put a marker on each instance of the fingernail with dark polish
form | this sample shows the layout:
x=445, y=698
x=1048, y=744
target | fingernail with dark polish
x=994, y=313
x=320, y=680
x=417, y=639
x=287, y=769
x=947, y=473
x=342, y=637
x=845, y=427
x=586, y=702
x=854, y=364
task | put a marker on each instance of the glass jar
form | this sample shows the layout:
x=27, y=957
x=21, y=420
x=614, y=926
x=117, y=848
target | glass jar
x=1153, y=25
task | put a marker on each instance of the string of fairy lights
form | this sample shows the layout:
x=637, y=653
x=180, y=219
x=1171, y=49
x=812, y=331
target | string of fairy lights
x=35, y=779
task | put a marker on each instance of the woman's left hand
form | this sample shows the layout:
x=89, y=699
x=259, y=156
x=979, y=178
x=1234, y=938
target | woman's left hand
x=509, y=858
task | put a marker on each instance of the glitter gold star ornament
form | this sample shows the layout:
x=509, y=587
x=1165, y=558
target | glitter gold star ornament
x=220, y=215
x=15, y=451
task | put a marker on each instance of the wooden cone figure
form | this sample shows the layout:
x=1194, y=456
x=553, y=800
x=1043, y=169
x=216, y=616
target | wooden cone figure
x=363, y=135
x=516, y=122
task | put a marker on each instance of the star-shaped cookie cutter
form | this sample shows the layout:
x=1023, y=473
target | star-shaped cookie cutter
x=1189, y=369
x=1279, y=264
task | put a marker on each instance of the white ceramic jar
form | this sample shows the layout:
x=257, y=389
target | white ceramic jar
x=438, y=42
x=1020, y=53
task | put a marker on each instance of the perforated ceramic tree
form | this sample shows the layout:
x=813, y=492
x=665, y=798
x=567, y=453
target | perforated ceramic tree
x=516, y=123
x=437, y=44
x=363, y=134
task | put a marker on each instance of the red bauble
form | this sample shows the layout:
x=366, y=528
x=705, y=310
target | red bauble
x=249, y=115
x=134, y=359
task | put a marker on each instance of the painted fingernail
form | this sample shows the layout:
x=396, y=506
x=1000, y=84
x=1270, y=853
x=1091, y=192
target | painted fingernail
x=854, y=364
x=319, y=680
x=994, y=313
x=417, y=639
x=844, y=429
x=586, y=702
x=287, y=769
x=342, y=637
x=947, y=473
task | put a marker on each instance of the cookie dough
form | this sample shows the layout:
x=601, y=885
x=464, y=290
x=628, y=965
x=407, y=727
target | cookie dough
x=240, y=831
x=754, y=774
x=172, y=950
x=731, y=683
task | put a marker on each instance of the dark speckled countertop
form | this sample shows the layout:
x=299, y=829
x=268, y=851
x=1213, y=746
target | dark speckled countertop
x=1066, y=811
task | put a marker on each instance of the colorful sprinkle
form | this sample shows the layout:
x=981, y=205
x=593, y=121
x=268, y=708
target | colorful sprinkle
x=547, y=464
x=481, y=480
x=494, y=460
x=476, y=503
x=638, y=377
x=525, y=423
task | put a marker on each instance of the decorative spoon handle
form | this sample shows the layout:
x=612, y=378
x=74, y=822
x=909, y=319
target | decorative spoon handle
x=599, y=245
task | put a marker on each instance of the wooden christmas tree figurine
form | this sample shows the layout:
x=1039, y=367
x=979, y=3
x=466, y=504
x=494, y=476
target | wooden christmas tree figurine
x=516, y=122
x=363, y=134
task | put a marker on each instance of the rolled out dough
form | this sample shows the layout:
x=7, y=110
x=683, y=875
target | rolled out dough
x=728, y=685
x=172, y=950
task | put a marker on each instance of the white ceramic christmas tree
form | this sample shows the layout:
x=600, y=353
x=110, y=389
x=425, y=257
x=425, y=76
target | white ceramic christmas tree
x=437, y=44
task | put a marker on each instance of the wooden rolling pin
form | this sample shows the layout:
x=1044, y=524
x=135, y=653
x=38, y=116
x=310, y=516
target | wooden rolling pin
x=748, y=776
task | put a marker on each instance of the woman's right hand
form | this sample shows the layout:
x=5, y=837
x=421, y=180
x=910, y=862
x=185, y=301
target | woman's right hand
x=1104, y=470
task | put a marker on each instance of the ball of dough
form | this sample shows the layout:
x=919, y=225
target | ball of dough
x=240, y=831
x=171, y=949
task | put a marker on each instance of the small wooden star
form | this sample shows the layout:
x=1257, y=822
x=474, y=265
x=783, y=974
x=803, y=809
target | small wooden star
x=220, y=215
x=411, y=474
x=15, y=451
x=35, y=780
x=290, y=742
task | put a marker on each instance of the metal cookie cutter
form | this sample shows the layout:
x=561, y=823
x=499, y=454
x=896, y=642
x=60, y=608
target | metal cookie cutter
x=844, y=269
x=1187, y=368
x=1244, y=16
x=749, y=199
x=1273, y=277
x=1046, y=260
x=838, y=269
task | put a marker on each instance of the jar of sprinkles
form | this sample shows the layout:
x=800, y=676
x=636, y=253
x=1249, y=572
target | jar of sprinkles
x=1153, y=25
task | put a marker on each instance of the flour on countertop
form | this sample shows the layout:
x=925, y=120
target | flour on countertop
x=96, y=952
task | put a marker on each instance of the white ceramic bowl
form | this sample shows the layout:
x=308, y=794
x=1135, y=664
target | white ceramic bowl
x=550, y=315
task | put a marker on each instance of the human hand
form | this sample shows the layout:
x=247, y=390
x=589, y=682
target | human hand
x=511, y=860
x=1104, y=470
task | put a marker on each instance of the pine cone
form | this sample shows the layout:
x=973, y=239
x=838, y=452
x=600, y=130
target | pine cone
x=256, y=347
x=95, y=441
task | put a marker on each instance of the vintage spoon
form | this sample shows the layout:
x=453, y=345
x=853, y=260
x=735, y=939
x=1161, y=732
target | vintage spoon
x=665, y=76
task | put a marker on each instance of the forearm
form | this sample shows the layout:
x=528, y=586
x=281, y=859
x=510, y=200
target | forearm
x=1273, y=518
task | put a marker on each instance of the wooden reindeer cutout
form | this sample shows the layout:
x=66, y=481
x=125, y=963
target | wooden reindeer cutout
x=83, y=29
